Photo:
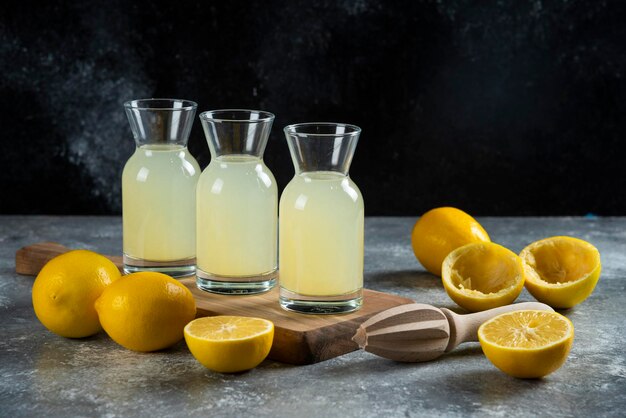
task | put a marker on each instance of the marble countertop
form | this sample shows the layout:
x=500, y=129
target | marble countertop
x=45, y=375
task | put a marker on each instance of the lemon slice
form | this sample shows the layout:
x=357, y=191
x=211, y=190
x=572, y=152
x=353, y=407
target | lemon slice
x=482, y=275
x=527, y=344
x=561, y=271
x=229, y=344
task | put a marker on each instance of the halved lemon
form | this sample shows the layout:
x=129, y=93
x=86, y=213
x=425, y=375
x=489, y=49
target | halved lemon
x=527, y=344
x=482, y=275
x=229, y=344
x=561, y=271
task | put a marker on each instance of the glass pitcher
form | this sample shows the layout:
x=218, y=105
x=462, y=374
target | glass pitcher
x=237, y=205
x=321, y=222
x=158, y=188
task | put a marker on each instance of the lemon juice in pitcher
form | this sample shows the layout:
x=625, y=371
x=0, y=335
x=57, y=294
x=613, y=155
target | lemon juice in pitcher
x=321, y=222
x=237, y=206
x=159, y=223
x=238, y=195
x=321, y=219
x=158, y=188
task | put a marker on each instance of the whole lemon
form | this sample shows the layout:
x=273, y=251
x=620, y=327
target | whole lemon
x=66, y=288
x=440, y=231
x=146, y=311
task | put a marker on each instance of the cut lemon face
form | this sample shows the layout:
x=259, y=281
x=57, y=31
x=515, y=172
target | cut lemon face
x=527, y=344
x=229, y=344
x=561, y=271
x=482, y=275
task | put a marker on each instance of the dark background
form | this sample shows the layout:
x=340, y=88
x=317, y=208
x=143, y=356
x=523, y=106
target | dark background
x=504, y=107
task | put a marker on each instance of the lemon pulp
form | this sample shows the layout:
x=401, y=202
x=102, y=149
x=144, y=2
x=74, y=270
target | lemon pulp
x=482, y=275
x=561, y=271
x=228, y=328
x=528, y=329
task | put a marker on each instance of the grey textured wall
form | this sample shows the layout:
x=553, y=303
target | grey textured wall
x=501, y=108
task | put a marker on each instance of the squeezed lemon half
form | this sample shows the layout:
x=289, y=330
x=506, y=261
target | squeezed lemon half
x=482, y=275
x=527, y=344
x=561, y=271
x=229, y=344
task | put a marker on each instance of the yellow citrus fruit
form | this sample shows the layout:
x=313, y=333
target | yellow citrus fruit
x=439, y=231
x=229, y=344
x=527, y=344
x=561, y=271
x=67, y=287
x=146, y=311
x=482, y=275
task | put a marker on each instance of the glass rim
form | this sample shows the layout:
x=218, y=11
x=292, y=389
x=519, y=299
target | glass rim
x=293, y=129
x=210, y=115
x=144, y=104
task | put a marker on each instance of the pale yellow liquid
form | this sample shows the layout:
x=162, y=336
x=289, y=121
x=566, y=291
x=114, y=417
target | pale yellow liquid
x=237, y=203
x=321, y=235
x=159, y=203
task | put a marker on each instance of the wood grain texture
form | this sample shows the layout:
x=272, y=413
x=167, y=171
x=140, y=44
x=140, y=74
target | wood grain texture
x=30, y=260
x=298, y=338
x=410, y=333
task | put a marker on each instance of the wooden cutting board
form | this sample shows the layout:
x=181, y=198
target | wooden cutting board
x=298, y=338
